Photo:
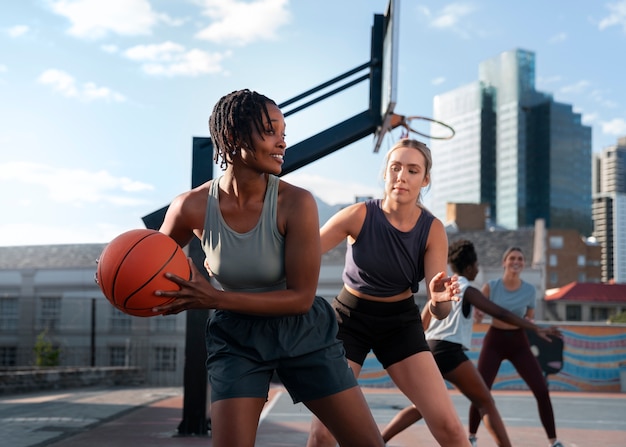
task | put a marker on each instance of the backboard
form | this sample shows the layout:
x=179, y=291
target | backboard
x=391, y=38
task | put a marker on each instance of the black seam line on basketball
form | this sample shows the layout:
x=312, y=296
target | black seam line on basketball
x=150, y=279
x=119, y=266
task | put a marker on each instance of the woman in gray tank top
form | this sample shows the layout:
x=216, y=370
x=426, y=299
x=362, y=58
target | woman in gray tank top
x=261, y=239
x=504, y=341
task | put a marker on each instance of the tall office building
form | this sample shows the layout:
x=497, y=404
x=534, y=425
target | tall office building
x=609, y=209
x=515, y=148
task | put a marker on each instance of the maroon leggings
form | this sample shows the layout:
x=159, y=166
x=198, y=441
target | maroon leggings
x=512, y=345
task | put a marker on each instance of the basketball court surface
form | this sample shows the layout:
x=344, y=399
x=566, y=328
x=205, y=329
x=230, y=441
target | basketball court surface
x=148, y=417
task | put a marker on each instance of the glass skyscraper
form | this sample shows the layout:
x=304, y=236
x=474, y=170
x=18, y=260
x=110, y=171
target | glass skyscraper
x=515, y=148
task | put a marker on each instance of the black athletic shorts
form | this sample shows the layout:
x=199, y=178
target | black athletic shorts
x=244, y=351
x=392, y=330
x=448, y=355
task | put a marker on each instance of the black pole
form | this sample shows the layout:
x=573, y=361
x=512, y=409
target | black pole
x=195, y=382
x=93, y=332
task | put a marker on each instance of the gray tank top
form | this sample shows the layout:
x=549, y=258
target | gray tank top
x=251, y=261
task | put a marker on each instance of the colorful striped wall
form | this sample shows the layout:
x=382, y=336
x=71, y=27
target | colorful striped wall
x=592, y=357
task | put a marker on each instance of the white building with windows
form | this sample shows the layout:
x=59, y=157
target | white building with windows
x=51, y=290
x=609, y=209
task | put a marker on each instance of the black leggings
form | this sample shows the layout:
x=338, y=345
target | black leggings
x=512, y=345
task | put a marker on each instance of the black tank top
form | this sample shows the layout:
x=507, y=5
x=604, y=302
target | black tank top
x=384, y=261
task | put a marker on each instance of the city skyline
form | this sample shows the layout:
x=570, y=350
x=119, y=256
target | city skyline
x=101, y=100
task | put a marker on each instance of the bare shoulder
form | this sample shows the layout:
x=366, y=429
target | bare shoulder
x=185, y=215
x=189, y=207
x=295, y=203
x=437, y=230
x=193, y=199
x=292, y=193
x=355, y=211
x=347, y=222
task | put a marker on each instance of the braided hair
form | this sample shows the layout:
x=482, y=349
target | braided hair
x=461, y=254
x=234, y=120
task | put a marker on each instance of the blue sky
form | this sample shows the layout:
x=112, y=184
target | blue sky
x=100, y=99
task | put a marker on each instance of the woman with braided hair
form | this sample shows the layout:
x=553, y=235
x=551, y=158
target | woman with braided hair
x=450, y=337
x=262, y=244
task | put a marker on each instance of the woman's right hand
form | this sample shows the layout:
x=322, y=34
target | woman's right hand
x=195, y=293
x=548, y=332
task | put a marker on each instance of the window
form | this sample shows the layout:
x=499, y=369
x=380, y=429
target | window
x=554, y=278
x=582, y=277
x=164, y=359
x=120, y=322
x=573, y=312
x=599, y=314
x=582, y=260
x=8, y=314
x=165, y=324
x=50, y=313
x=554, y=260
x=556, y=242
x=8, y=355
x=117, y=356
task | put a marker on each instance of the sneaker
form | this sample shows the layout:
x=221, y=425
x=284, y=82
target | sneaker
x=473, y=440
x=557, y=444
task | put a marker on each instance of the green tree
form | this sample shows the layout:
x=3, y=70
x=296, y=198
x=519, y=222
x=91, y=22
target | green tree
x=45, y=353
x=619, y=318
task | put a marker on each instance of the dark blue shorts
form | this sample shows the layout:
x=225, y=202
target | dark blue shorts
x=447, y=355
x=244, y=351
x=393, y=331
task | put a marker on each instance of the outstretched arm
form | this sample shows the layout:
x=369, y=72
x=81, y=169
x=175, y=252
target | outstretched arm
x=441, y=288
x=346, y=223
x=426, y=315
x=478, y=300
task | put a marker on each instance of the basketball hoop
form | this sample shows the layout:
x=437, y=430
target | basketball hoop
x=405, y=122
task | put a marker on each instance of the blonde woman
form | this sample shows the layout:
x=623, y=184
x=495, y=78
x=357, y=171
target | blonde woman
x=392, y=244
x=505, y=341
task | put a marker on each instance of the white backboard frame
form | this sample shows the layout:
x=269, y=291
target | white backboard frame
x=389, y=99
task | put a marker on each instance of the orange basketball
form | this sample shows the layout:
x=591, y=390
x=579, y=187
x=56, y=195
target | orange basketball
x=133, y=266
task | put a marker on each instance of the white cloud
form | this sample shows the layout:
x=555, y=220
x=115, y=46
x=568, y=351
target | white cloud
x=438, y=81
x=598, y=96
x=616, y=126
x=17, y=30
x=578, y=87
x=66, y=85
x=543, y=80
x=94, y=19
x=163, y=52
x=74, y=186
x=558, y=38
x=589, y=118
x=332, y=191
x=451, y=18
x=109, y=48
x=616, y=17
x=172, y=59
x=241, y=22
x=70, y=231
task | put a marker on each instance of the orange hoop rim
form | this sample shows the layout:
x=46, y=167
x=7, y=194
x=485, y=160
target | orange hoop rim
x=406, y=123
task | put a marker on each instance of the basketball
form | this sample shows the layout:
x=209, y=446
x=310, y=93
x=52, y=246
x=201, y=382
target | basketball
x=133, y=266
